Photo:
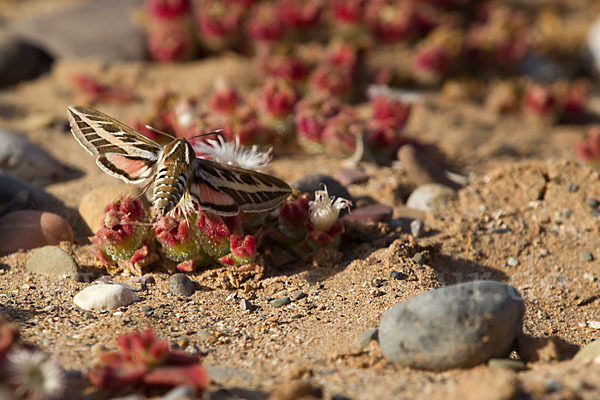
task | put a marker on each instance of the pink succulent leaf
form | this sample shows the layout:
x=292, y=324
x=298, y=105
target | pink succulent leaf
x=300, y=14
x=96, y=91
x=186, y=266
x=224, y=99
x=264, y=23
x=588, y=149
x=9, y=335
x=214, y=234
x=540, y=100
x=391, y=20
x=348, y=11
x=168, y=9
x=342, y=131
x=278, y=98
x=193, y=376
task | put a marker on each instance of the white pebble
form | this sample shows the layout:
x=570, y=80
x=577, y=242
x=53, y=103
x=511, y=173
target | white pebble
x=594, y=324
x=104, y=297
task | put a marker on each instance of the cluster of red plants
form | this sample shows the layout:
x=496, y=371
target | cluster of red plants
x=143, y=363
x=443, y=34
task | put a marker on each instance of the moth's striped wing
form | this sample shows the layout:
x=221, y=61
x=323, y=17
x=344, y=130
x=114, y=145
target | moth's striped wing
x=225, y=190
x=120, y=151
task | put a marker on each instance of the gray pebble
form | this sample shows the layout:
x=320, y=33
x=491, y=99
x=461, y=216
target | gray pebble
x=25, y=160
x=310, y=183
x=246, y=305
x=552, y=385
x=398, y=275
x=419, y=258
x=52, y=260
x=181, y=285
x=20, y=60
x=592, y=202
x=512, y=262
x=367, y=336
x=280, y=302
x=562, y=215
x=145, y=309
x=572, y=187
x=456, y=326
x=80, y=31
x=586, y=256
x=416, y=228
x=506, y=363
x=298, y=294
x=203, y=334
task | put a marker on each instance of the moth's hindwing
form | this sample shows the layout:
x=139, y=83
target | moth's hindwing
x=225, y=190
x=121, y=151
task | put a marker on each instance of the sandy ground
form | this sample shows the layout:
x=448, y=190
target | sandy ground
x=519, y=171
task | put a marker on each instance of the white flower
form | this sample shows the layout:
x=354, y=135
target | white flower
x=324, y=210
x=232, y=153
x=35, y=375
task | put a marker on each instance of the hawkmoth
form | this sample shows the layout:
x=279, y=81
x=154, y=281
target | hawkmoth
x=173, y=170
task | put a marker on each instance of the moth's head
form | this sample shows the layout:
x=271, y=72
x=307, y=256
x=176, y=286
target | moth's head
x=177, y=151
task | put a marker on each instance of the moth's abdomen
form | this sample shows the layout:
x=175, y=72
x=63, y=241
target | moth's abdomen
x=168, y=190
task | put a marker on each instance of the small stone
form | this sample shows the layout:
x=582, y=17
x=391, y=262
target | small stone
x=94, y=202
x=552, y=385
x=80, y=31
x=104, y=297
x=179, y=393
x=280, y=302
x=543, y=252
x=28, y=229
x=182, y=342
x=376, y=282
x=572, y=187
x=419, y=258
x=416, y=228
x=594, y=324
x=203, y=334
x=589, y=352
x=512, y=262
x=457, y=326
x=398, y=275
x=592, y=202
x=562, y=216
x=180, y=285
x=506, y=363
x=313, y=182
x=20, y=60
x=350, y=176
x=24, y=160
x=372, y=213
x=298, y=295
x=585, y=256
x=145, y=309
x=246, y=305
x=430, y=197
x=52, y=260
x=17, y=195
x=367, y=336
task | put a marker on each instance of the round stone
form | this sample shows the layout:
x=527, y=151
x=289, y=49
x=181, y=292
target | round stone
x=105, y=297
x=456, y=326
x=28, y=229
x=181, y=285
x=52, y=260
x=589, y=352
x=431, y=196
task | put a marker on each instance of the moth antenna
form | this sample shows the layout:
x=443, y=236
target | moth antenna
x=150, y=128
x=206, y=134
